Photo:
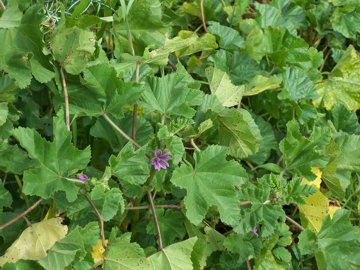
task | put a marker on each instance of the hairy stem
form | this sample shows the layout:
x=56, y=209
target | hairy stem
x=192, y=142
x=100, y=220
x=23, y=214
x=66, y=97
x=301, y=228
x=2, y=6
x=152, y=206
x=122, y=133
x=134, y=114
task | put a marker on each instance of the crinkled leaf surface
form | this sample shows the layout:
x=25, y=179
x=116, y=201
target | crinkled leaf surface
x=171, y=95
x=211, y=182
x=301, y=153
x=55, y=161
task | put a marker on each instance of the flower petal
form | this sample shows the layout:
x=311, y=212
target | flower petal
x=158, y=153
x=165, y=157
x=163, y=164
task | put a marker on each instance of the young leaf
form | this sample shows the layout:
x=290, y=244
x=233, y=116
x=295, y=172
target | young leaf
x=131, y=167
x=56, y=161
x=211, y=182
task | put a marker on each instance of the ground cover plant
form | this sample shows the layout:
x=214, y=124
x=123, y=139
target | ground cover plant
x=200, y=134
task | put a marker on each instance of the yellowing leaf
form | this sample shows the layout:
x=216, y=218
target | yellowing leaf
x=221, y=86
x=317, y=182
x=97, y=253
x=342, y=86
x=314, y=211
x=35, y=241
x=332, y=209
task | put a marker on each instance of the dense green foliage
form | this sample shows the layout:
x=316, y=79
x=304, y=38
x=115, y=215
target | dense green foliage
x=253, y=104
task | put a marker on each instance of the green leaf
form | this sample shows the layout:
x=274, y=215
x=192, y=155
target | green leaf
x=185, y=43
x=262, y=83
x=301, y=153
x=239, y=131
x=336, y=246
x=56, y=161
x=344, y=159
x=131, y=167
x=297, y=85
x=22, y=53
x=108, y=202
x=72, y=48
x=206, y=244
x=170, y=95
x=267, y=143
x=174, y=257
x=13, y=159
x=41, y=73
x=344, y=120
x=346, y=20
x=342, y=85
x=261, y=211
x=229, y=38
x=245, y=246
x=102, y=129
x=173, y=143
x=211, y=182
x=4, y=110
x=121, y=254
x=140, y=25
x=64, y=252
x=5, y=198
x=221, y=86
x=21, y=265
x=171, y=223
x=11, y=17
x=240, y=66
x=7, y=89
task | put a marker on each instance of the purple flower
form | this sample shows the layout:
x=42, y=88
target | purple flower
x=255, y=232
x=83, y=177
x=160, y=160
